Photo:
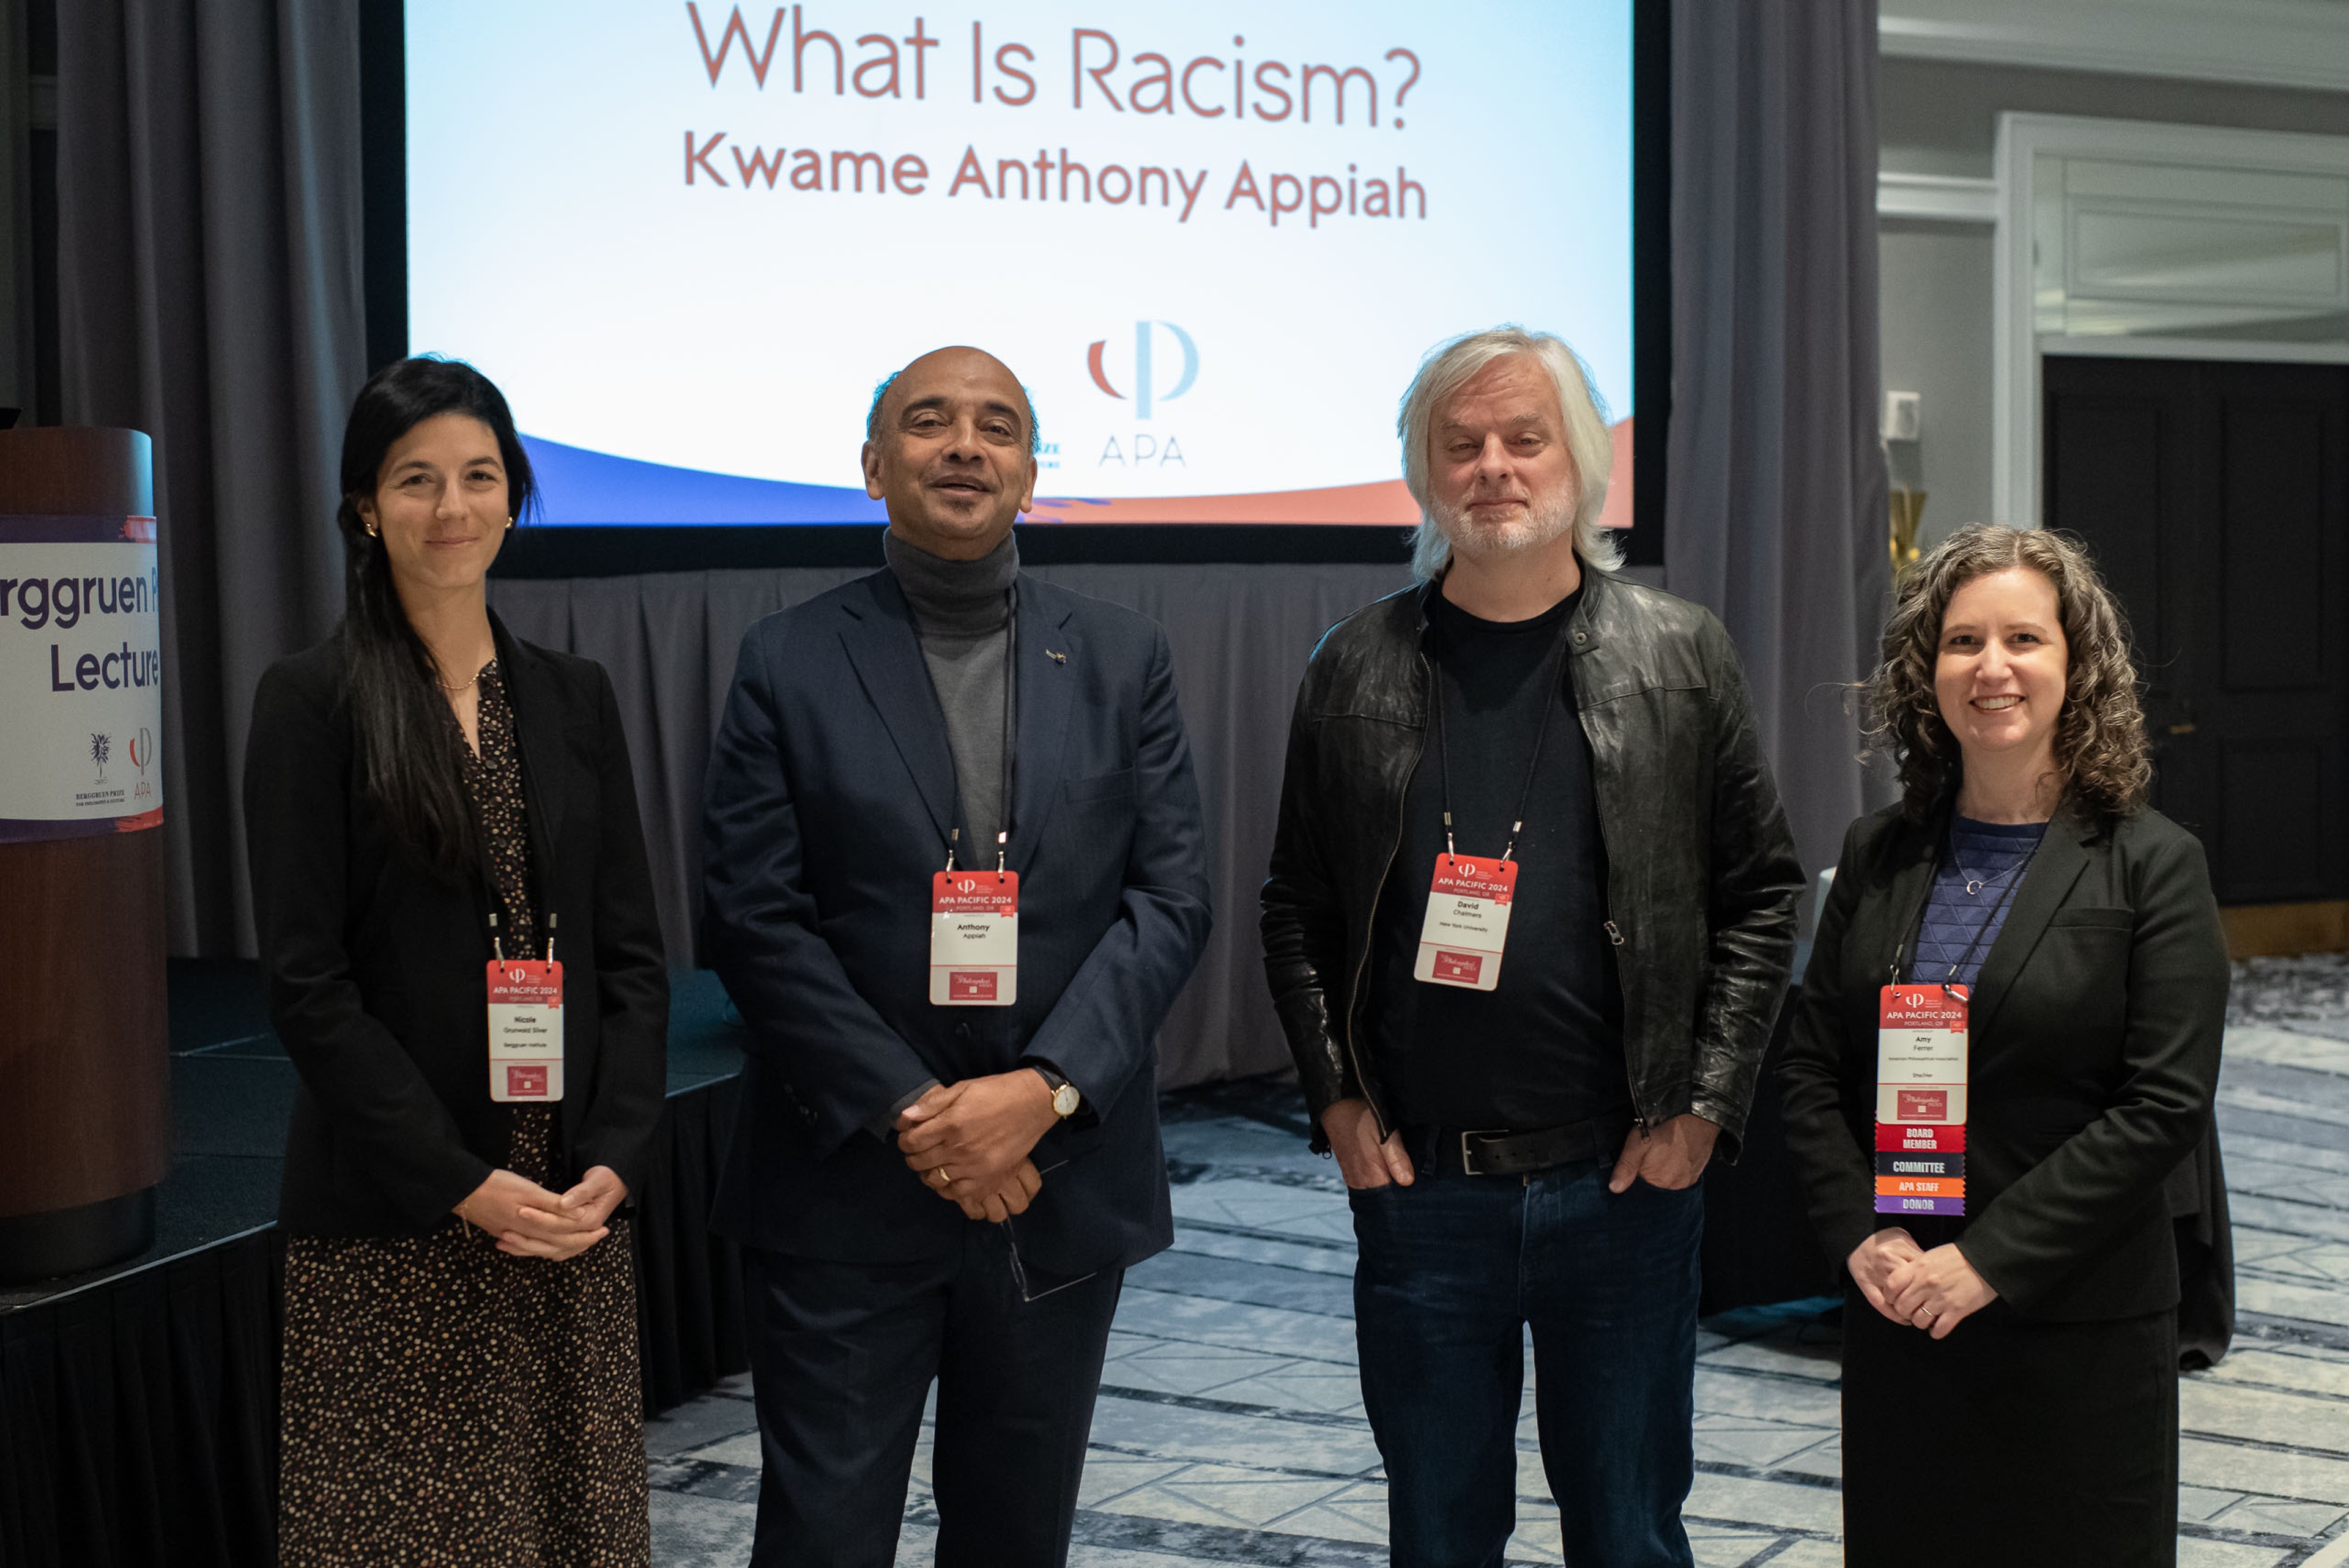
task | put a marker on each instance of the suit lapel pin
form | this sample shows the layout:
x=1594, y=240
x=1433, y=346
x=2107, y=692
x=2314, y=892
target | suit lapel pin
x=1056, y=658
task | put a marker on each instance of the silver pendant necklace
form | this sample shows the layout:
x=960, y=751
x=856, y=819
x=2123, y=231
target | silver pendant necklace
x=1975, y=884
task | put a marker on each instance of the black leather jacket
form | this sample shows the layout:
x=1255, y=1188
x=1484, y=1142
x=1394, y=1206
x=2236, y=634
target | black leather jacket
x=1702, y=875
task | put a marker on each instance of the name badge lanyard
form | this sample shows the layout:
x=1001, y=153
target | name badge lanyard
x=1923, y=1042
x=525, y=1005
x=1466, y=928
x=485, y=865
x=540, y=861
x=975, y=918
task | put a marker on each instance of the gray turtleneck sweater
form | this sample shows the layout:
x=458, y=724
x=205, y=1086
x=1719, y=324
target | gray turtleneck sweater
x=963, y=609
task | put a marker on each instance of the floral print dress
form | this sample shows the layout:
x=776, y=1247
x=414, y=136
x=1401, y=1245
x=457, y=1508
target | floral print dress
x=442, y=1401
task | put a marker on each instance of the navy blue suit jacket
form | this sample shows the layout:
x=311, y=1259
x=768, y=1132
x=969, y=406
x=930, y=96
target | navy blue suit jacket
x=830, y=793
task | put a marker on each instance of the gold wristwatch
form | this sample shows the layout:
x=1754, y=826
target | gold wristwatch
x=1065, y=1098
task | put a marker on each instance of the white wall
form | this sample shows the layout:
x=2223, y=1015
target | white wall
x=1941, y=118
x=1935, y=280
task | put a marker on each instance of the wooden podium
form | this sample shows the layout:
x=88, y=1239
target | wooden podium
x=85, y=1127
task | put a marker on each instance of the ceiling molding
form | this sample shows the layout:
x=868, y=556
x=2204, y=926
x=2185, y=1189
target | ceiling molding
x=2266, y=43
x=2232, y=349
x=1936, y=198
x=2028, y=144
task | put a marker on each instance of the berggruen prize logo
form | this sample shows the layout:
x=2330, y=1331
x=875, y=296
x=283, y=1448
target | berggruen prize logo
x=81, y=674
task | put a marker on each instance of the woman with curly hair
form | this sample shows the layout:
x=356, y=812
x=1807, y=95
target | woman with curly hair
x=2010, y=1378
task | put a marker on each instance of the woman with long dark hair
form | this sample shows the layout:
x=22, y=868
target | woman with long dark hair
x=457, y=929
x=2007, y=1040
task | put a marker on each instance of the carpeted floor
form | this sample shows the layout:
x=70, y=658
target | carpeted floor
x=1230, y=1427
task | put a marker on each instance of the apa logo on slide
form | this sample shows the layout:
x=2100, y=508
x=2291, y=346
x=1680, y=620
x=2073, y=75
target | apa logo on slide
x=1145, y=394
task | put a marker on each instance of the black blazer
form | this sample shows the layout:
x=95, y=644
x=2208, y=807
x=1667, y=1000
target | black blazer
x=829, y=795
x=2093, y=1059
x=376, y=968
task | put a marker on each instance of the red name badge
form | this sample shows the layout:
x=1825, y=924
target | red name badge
x=525, y=1030
x=974, y=939
x=1920, y=1099
x=1892, y=1138
x=1467, y=924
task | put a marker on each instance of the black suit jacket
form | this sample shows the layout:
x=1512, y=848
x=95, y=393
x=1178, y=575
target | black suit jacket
x=2093, y=1056
x=830, y=793
x=376, y=968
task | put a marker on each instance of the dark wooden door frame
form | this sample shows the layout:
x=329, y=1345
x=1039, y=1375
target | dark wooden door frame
x=2216, y=497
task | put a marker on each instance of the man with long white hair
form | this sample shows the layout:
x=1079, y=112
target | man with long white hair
x=1530, y=916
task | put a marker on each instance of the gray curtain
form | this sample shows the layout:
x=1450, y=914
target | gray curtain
x=209, y=260
x=1240, y=635
x=210, y=256
x=1775, y=481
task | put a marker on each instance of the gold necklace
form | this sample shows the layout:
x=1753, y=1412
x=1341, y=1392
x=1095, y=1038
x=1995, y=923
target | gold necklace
x=461, y=684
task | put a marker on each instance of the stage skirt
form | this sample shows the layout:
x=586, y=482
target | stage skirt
x=2011, y=1442
x=445, y=1402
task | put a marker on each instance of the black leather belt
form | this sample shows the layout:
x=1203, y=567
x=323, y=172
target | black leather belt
x=1498, y=1151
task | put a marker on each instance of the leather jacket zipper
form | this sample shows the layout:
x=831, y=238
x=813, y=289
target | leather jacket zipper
x=1614, y=936
x=1614, y=932
x=1362, y=959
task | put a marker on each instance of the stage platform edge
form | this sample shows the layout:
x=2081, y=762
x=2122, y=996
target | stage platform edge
x=138, y=1402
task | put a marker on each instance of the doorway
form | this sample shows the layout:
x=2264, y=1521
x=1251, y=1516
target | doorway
x=2216, y=498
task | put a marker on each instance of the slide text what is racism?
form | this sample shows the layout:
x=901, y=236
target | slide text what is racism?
x=1104, y=79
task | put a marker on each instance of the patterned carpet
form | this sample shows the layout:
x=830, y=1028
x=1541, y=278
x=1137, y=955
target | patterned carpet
x=1230, y=1427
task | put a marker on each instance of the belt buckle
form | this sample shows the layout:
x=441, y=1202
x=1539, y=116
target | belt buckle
x=1467, y=1158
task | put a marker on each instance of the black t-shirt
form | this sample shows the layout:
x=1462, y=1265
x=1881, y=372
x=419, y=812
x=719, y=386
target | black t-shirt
x=1546, y=1044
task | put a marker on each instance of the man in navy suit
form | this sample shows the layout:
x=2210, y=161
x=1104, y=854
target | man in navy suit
x=948, y=1152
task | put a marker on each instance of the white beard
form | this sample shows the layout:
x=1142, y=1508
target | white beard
x=1545, y=519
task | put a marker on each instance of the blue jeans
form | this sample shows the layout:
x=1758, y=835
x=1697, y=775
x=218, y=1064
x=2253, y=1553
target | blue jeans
x=1451, y=1272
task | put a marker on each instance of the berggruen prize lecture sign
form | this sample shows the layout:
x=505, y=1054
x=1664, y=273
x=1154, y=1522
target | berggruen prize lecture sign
x=81, y=671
